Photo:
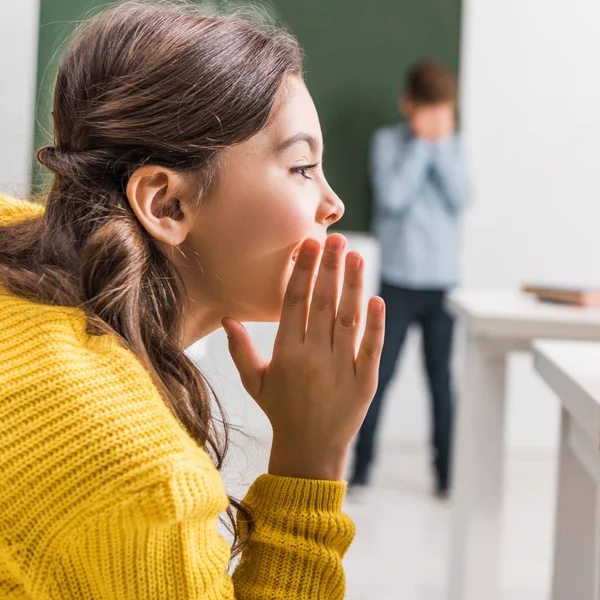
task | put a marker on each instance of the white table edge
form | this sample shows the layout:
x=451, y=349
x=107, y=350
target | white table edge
x=582, y=405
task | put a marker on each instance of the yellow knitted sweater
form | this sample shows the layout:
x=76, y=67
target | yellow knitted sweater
x=104, y=495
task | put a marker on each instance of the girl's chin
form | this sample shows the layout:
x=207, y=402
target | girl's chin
x=263, y=315
x=266, y=308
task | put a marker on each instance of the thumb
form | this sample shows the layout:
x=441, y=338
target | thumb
x=249, y=364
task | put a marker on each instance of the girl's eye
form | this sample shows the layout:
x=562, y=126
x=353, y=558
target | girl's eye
x=302, y=170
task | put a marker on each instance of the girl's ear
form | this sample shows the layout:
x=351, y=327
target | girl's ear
x=155, y=194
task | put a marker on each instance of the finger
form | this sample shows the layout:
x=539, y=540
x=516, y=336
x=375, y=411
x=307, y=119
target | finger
x=292, y=325
x=345, y=331
x=369, y=353
x=321, y=317
x=248, y=362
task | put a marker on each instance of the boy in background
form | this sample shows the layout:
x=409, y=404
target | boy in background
x=420, y=187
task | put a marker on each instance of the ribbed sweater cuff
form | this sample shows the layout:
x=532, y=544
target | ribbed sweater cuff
x=290, y=493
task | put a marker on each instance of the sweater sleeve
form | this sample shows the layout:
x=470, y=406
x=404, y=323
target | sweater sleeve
x=163, y=544
x=300, y=538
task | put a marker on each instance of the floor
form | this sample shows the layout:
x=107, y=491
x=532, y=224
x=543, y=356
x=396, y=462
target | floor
x=401, y=548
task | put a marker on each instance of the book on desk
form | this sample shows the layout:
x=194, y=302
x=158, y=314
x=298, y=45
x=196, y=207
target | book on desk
x=572, y=296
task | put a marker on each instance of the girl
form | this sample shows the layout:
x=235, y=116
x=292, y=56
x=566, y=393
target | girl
x=188, y=193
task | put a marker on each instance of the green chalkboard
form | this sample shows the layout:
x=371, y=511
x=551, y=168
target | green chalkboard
x=356, y=54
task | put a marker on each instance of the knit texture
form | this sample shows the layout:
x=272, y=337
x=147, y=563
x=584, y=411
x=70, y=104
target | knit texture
x=104, y=495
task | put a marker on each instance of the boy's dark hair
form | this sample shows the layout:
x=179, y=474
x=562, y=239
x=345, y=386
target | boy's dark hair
x=430, y=82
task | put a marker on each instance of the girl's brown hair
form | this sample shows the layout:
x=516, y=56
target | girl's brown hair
x=142, y=83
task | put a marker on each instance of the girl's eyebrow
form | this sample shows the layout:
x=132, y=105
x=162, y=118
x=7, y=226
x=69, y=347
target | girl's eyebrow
x=311, y=140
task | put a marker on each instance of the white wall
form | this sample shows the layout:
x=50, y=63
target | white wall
x=18, y=59
x=531, y=120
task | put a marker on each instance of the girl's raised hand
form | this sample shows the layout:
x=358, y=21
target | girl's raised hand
x=316, y=390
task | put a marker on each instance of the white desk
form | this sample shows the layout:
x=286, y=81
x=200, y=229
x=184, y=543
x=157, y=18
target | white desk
x=496, y=324
x=572, y=369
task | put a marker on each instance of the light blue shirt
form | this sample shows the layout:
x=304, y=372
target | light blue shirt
x=419, y=190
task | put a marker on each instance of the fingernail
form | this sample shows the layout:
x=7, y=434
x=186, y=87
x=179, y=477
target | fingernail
x=311, y=247
x=377, y=306
x=335, y=243
x=354, y=262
